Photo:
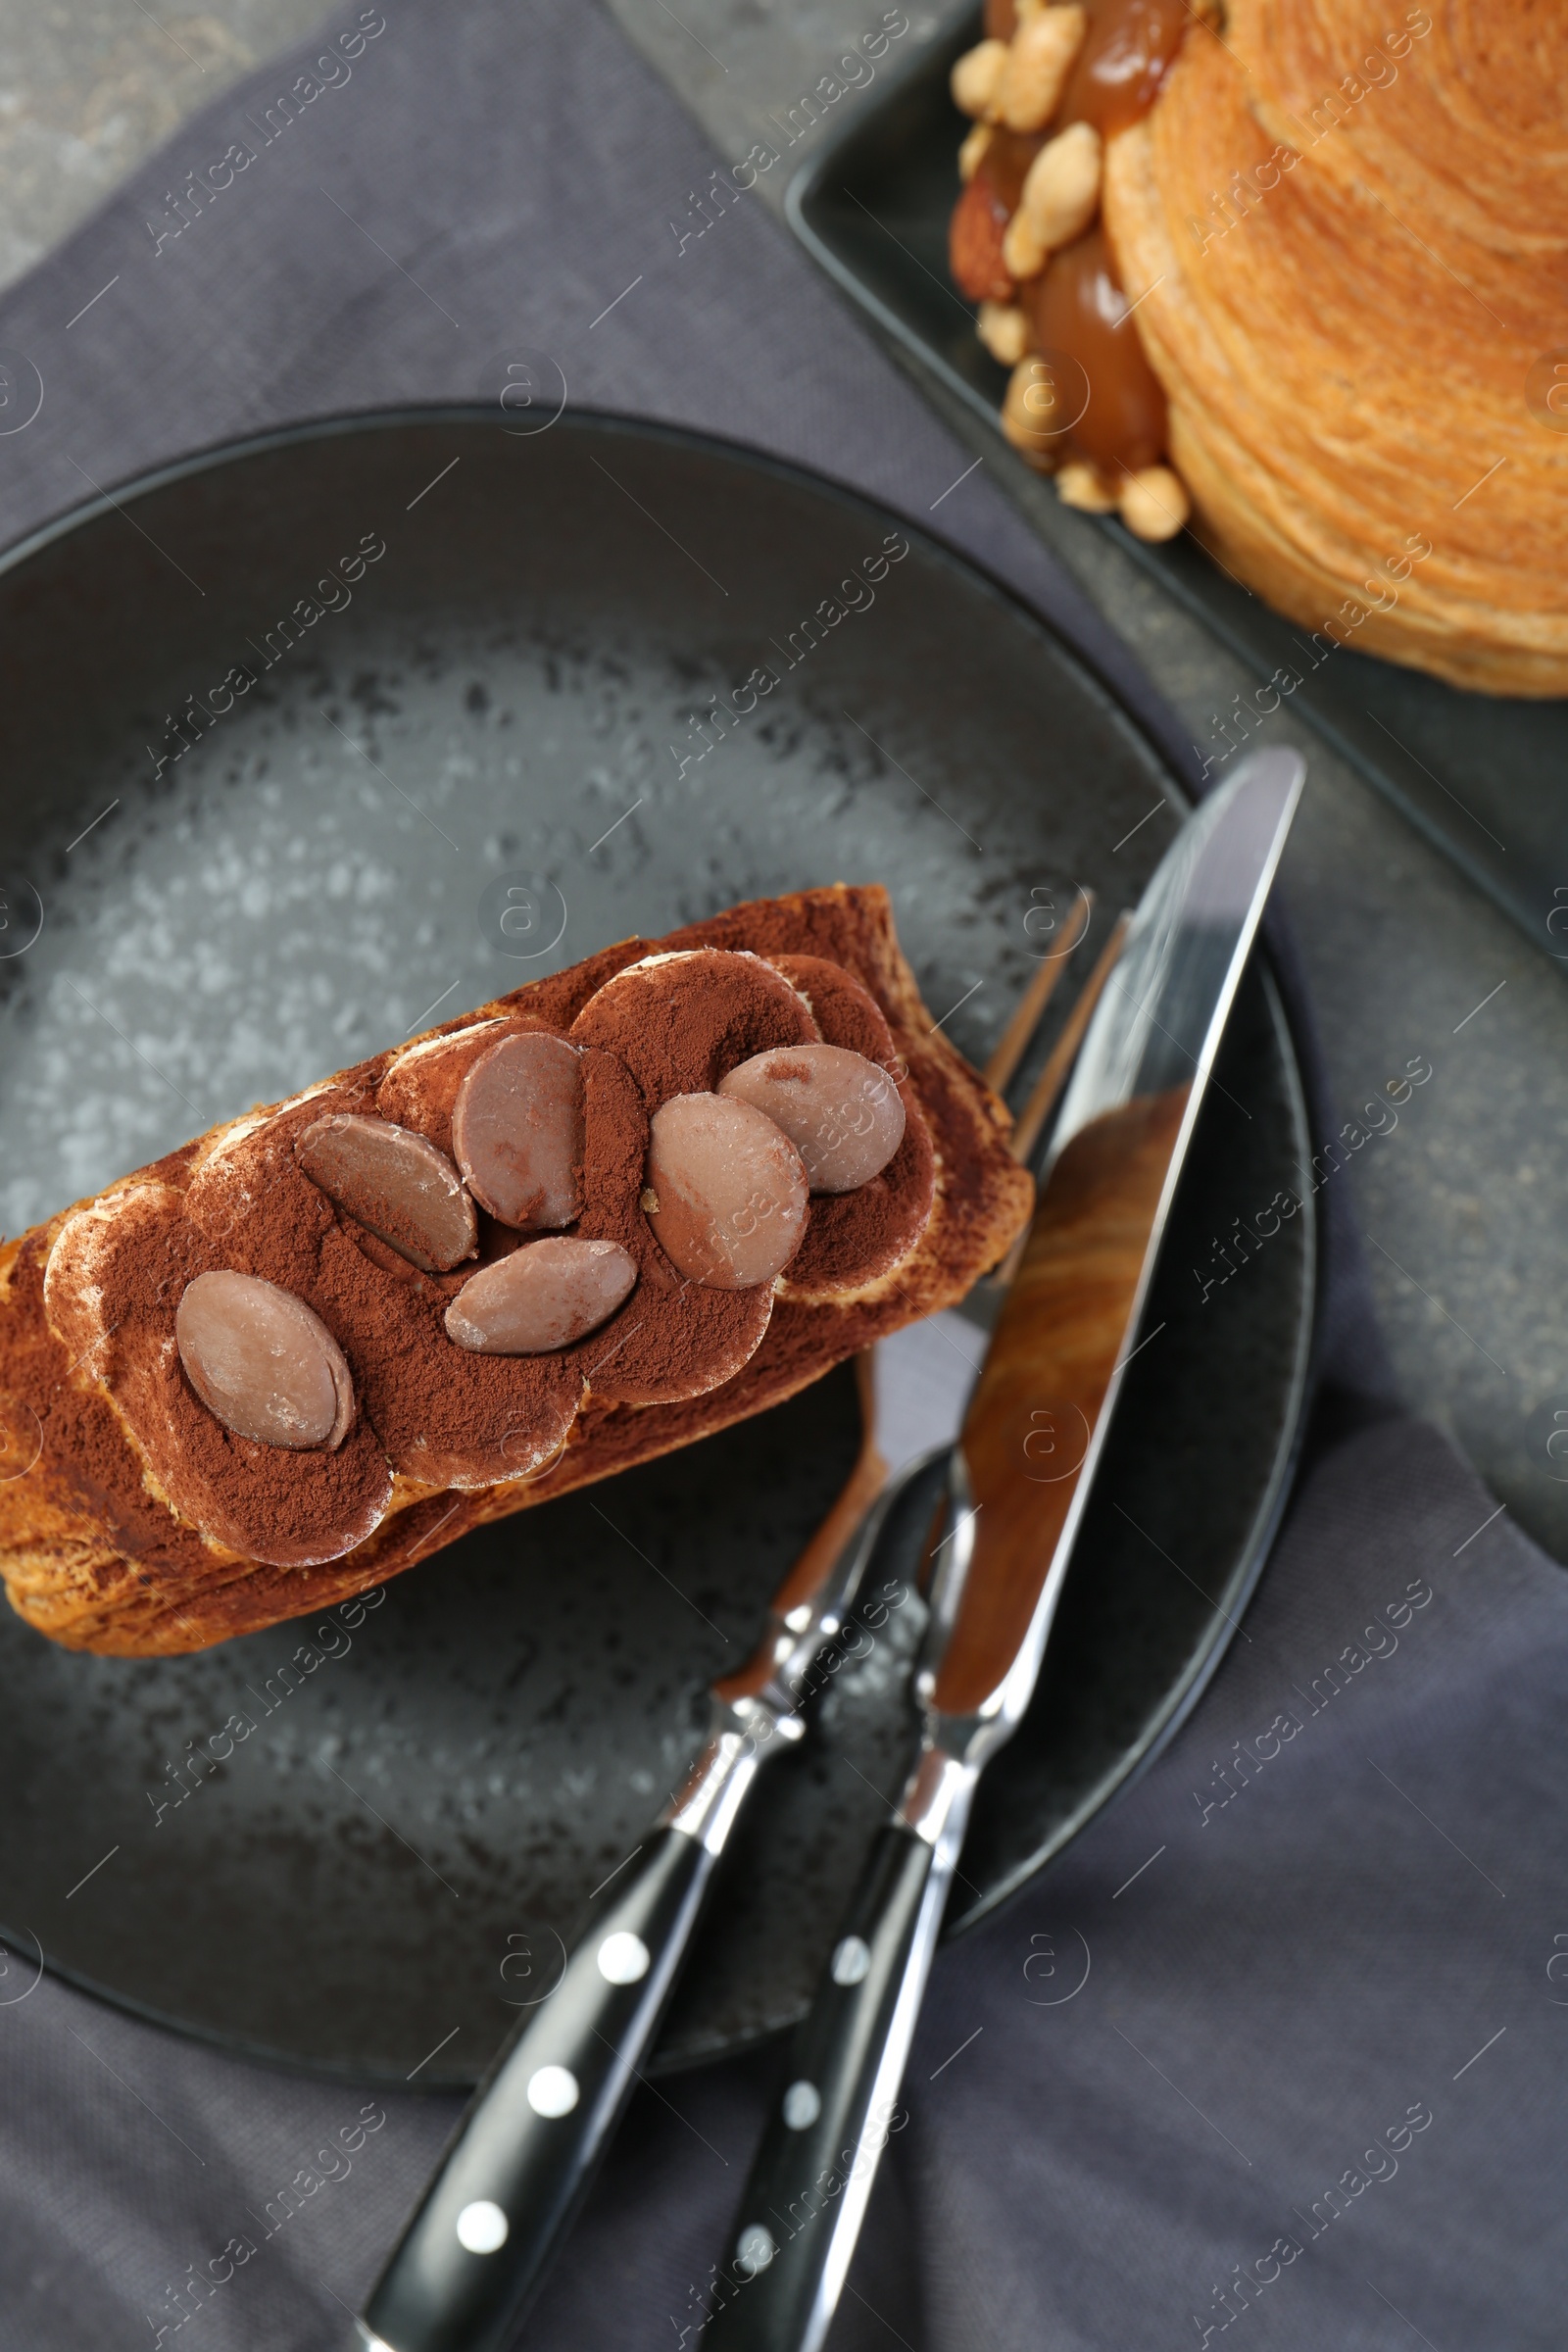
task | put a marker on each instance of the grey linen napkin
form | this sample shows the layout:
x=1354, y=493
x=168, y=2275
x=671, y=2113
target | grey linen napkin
x=1271, y=2050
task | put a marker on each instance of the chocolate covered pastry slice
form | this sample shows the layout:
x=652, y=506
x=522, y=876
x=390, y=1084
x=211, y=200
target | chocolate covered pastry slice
x=593, y=1221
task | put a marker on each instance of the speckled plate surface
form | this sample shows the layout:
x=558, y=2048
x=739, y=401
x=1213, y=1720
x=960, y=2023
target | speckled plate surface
x=504, y=655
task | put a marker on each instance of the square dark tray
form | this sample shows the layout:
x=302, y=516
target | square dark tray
x=1483, y=777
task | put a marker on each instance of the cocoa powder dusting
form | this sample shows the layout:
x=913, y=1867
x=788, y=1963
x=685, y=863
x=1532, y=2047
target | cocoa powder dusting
x=683, y=1023
x=84, y=1443
x=264, y=1502
x=444, y=1416
x=673, y=1338
x=855, y=1238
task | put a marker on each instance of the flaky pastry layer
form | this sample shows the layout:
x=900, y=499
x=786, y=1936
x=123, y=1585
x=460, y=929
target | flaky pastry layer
x=1343, y=228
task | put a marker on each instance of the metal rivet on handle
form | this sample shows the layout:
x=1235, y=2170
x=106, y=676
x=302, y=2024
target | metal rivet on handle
x=553, y=2090
x=850, y=1961
x=755, y=2251
x=482, y=2226
x=622, y=1958
x=803, y=2104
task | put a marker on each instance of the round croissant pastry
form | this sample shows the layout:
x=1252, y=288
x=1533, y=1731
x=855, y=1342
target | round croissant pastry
x=1322, y=302
x=1347, y=222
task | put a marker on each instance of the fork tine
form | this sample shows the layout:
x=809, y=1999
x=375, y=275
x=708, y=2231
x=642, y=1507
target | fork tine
x=1018, y=1035
x=1048, y=1086
x=854, y=1499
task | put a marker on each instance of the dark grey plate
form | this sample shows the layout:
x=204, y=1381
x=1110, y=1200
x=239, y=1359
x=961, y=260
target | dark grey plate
x=1480, y=777
x=383, y=1867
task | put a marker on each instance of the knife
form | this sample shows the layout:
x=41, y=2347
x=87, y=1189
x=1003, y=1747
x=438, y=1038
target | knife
x=1032, y=1437
x=527, y=2149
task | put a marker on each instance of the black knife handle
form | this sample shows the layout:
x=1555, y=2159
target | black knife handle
x=784, y=2266
x=525, y=2151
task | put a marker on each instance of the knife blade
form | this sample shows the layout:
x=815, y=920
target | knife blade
x=1022, y=1472
x=521, y=2159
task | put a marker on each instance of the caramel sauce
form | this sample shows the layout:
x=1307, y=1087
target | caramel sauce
x=1077, y=307
x=1045, y=1376
x=1127, y=52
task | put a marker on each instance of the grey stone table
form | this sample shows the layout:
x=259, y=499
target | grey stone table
x=1460, y=1202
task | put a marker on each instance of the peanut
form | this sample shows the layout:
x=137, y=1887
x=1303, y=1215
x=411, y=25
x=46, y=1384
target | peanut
x=1023, y=250
x=976, y=77
x=1061, y=194
x=1038, y=63
x=1154, y=503
x=1030, y=410
x=1081, y=485
x=972, y=149
x=1004, y=330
